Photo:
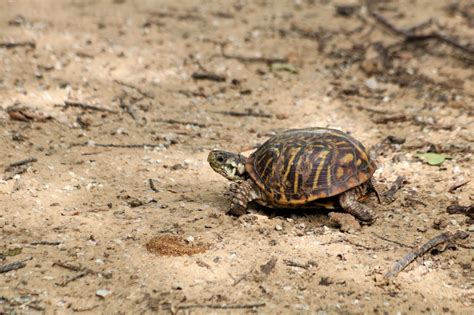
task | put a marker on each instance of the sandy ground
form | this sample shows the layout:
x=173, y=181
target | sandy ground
x=81, y=216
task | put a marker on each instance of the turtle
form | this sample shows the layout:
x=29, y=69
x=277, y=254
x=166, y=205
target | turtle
x=301, y=168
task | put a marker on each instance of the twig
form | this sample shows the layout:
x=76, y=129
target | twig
x=53, y=243
x=458, y=184
x=410, y=36
x=248, y=113
x=14, y=266
x=420, y=251
x=76, y=277
x=245, y=59
x=113, y=145
x=360, y=245
x=87, y=106
x=221, y=306
x=396, y=186
x=9, y=45
x=242, y=276
x=84, y=272
x=293, y=263
x=192, y=93
x=20, y=163
x=178, y=122
x=391, y=241
x=68, y=266
x=458, y=209
x=152, y=185
x=208, y=76
x=144, y=94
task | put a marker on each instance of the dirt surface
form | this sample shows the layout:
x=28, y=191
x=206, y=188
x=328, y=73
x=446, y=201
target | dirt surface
x=80, y=217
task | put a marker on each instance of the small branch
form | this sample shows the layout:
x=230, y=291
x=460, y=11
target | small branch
x=221, y=306
x=245, y=59
x=410, y=36
x=420, y=251
x=178, y=122
x=83, y=272
x=458, y=184
x=139, y=91
x=113, y=145
x=52, y=243
x=68, y=266
x=152, y=185
x=248, y=113
x=458, y=209
x=9, y=45
x=87, y=106
x=208, y=76
x=391, y=241
x=396, y=186
x=74, y=278
x=14, y=266
x=293, y=263
x=20, y=163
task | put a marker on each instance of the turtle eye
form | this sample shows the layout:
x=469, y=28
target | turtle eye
x=220, y=159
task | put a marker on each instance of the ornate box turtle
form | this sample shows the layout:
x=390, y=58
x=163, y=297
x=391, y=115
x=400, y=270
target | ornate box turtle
x=301, y=168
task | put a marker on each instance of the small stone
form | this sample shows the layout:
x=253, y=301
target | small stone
x=278, y=227
x=471, y=228
x=190, y=239
x=102, y=293
x=371, y=83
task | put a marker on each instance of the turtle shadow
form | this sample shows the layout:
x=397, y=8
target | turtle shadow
x=317, y=217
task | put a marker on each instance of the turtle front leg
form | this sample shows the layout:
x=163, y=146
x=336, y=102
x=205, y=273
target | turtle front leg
x=350, y=204
x=242, y=194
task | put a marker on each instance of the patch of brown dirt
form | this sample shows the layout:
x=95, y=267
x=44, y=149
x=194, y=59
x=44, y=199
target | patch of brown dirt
x=172, y=245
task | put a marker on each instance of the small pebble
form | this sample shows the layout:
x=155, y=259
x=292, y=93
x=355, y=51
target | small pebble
x=103, y=293
x=278, y=227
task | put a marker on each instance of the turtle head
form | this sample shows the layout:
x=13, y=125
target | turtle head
x=228, y=164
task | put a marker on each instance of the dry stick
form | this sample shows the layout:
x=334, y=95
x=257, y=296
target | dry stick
x=245, y=59
x=68, y=266
x=87, y=106
x=14, y=266
x=112, y=145
x=79, y=276
x=222, y=306
x=391, y=241
x=409, y=36
x=152, y=185
x=243, y=114
x=84, y=272
x=178, y=122
x=52, y=243
x=293, y=263
x=208, y=76
x=458, y=185
x=420, y=251
x=144, y=94
x=22, y=162
x=17, y=44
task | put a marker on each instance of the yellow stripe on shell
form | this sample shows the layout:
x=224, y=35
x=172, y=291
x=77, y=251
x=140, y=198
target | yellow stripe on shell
x=322, y=156
x=295, y=184
x=293, y=153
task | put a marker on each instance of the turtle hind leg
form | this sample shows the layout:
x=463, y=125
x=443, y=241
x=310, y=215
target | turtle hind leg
x=349, y=203
x=242, y=194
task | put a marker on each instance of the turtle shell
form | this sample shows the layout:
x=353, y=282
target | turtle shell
x=302, y=165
